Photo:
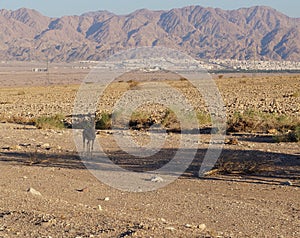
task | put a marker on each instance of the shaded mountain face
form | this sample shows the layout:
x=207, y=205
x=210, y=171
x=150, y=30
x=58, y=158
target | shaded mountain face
x=248, y=33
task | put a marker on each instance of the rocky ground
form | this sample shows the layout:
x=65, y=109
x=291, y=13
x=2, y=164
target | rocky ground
x=266, y=93
x=46, y=191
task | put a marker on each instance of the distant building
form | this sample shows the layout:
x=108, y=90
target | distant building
x=39, y=70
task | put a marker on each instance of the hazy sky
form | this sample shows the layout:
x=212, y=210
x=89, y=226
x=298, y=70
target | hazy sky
x=55, y=8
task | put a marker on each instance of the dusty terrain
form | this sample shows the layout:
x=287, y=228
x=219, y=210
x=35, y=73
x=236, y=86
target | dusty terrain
x=66, y=200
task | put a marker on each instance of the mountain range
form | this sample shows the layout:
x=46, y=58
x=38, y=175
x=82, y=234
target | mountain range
x=259, y=32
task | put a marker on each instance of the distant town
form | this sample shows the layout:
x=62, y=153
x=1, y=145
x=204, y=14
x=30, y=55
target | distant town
x=252, y=65
x=209, y=65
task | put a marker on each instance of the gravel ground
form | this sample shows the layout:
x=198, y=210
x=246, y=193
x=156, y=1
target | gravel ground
x=46, y=191
x=68, y=201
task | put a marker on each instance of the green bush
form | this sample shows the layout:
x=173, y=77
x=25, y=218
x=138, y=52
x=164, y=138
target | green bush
x=204, y=118
x=104, y=122
x=50, y=122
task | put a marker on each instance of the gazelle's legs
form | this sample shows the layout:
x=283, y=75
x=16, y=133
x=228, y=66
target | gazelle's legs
x=93, y=145
x=88, y=145
x=83, y=142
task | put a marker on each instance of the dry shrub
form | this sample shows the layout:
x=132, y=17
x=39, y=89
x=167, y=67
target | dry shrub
x=290, y=136
x=133, y=84
x=240, y=166
x=170, y=120
x=22, y=120
x=183, y=79
x=254, y=121
x=140, y=120
x=296, y=94
x=104, y=121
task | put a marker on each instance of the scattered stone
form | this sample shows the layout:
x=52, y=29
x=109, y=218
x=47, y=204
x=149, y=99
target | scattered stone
x=202, y=227
x=17, y=147
x=5, y=148
x=46, y=146
x=83, y=190
x=211, y=172
x=287, y=183
x=163, y=220
x=232, y=141
x=170, y=228
x=25, y=145
x=127, y=233
x=34, y=192
x=273, y=131
x=100, y=208
x=106, y=199
x=156, y=179
x=188, y=226
x=6, y=213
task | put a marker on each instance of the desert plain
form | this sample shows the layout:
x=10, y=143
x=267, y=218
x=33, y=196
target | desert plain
x=46, y=190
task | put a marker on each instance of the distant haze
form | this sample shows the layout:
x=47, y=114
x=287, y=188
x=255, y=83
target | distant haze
x=58, y=8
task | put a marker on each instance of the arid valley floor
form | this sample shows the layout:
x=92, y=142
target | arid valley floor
x=46, y=191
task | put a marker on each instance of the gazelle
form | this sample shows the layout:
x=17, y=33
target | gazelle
x=89, y=134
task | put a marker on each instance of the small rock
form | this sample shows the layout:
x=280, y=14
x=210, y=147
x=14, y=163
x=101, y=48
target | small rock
x=25, y=145
x=202, y=227
x=127, y=233
x=86, y=189
x=232, y=141
x=17, y=147
x=100, y=208
x=188, y=226
x=170, y=228
x=156, y=179
x=34, y=192
x=163, y=220
x=5, y=148
x=106, y=199
x=272, y=131
x=287, y=183
x=46, y=146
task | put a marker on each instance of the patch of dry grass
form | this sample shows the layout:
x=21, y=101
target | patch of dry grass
x=290, y=136
x=239, y=166
x=255, y=121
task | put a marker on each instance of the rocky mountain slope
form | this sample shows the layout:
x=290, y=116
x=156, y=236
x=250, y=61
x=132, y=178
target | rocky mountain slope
x=247, y=33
